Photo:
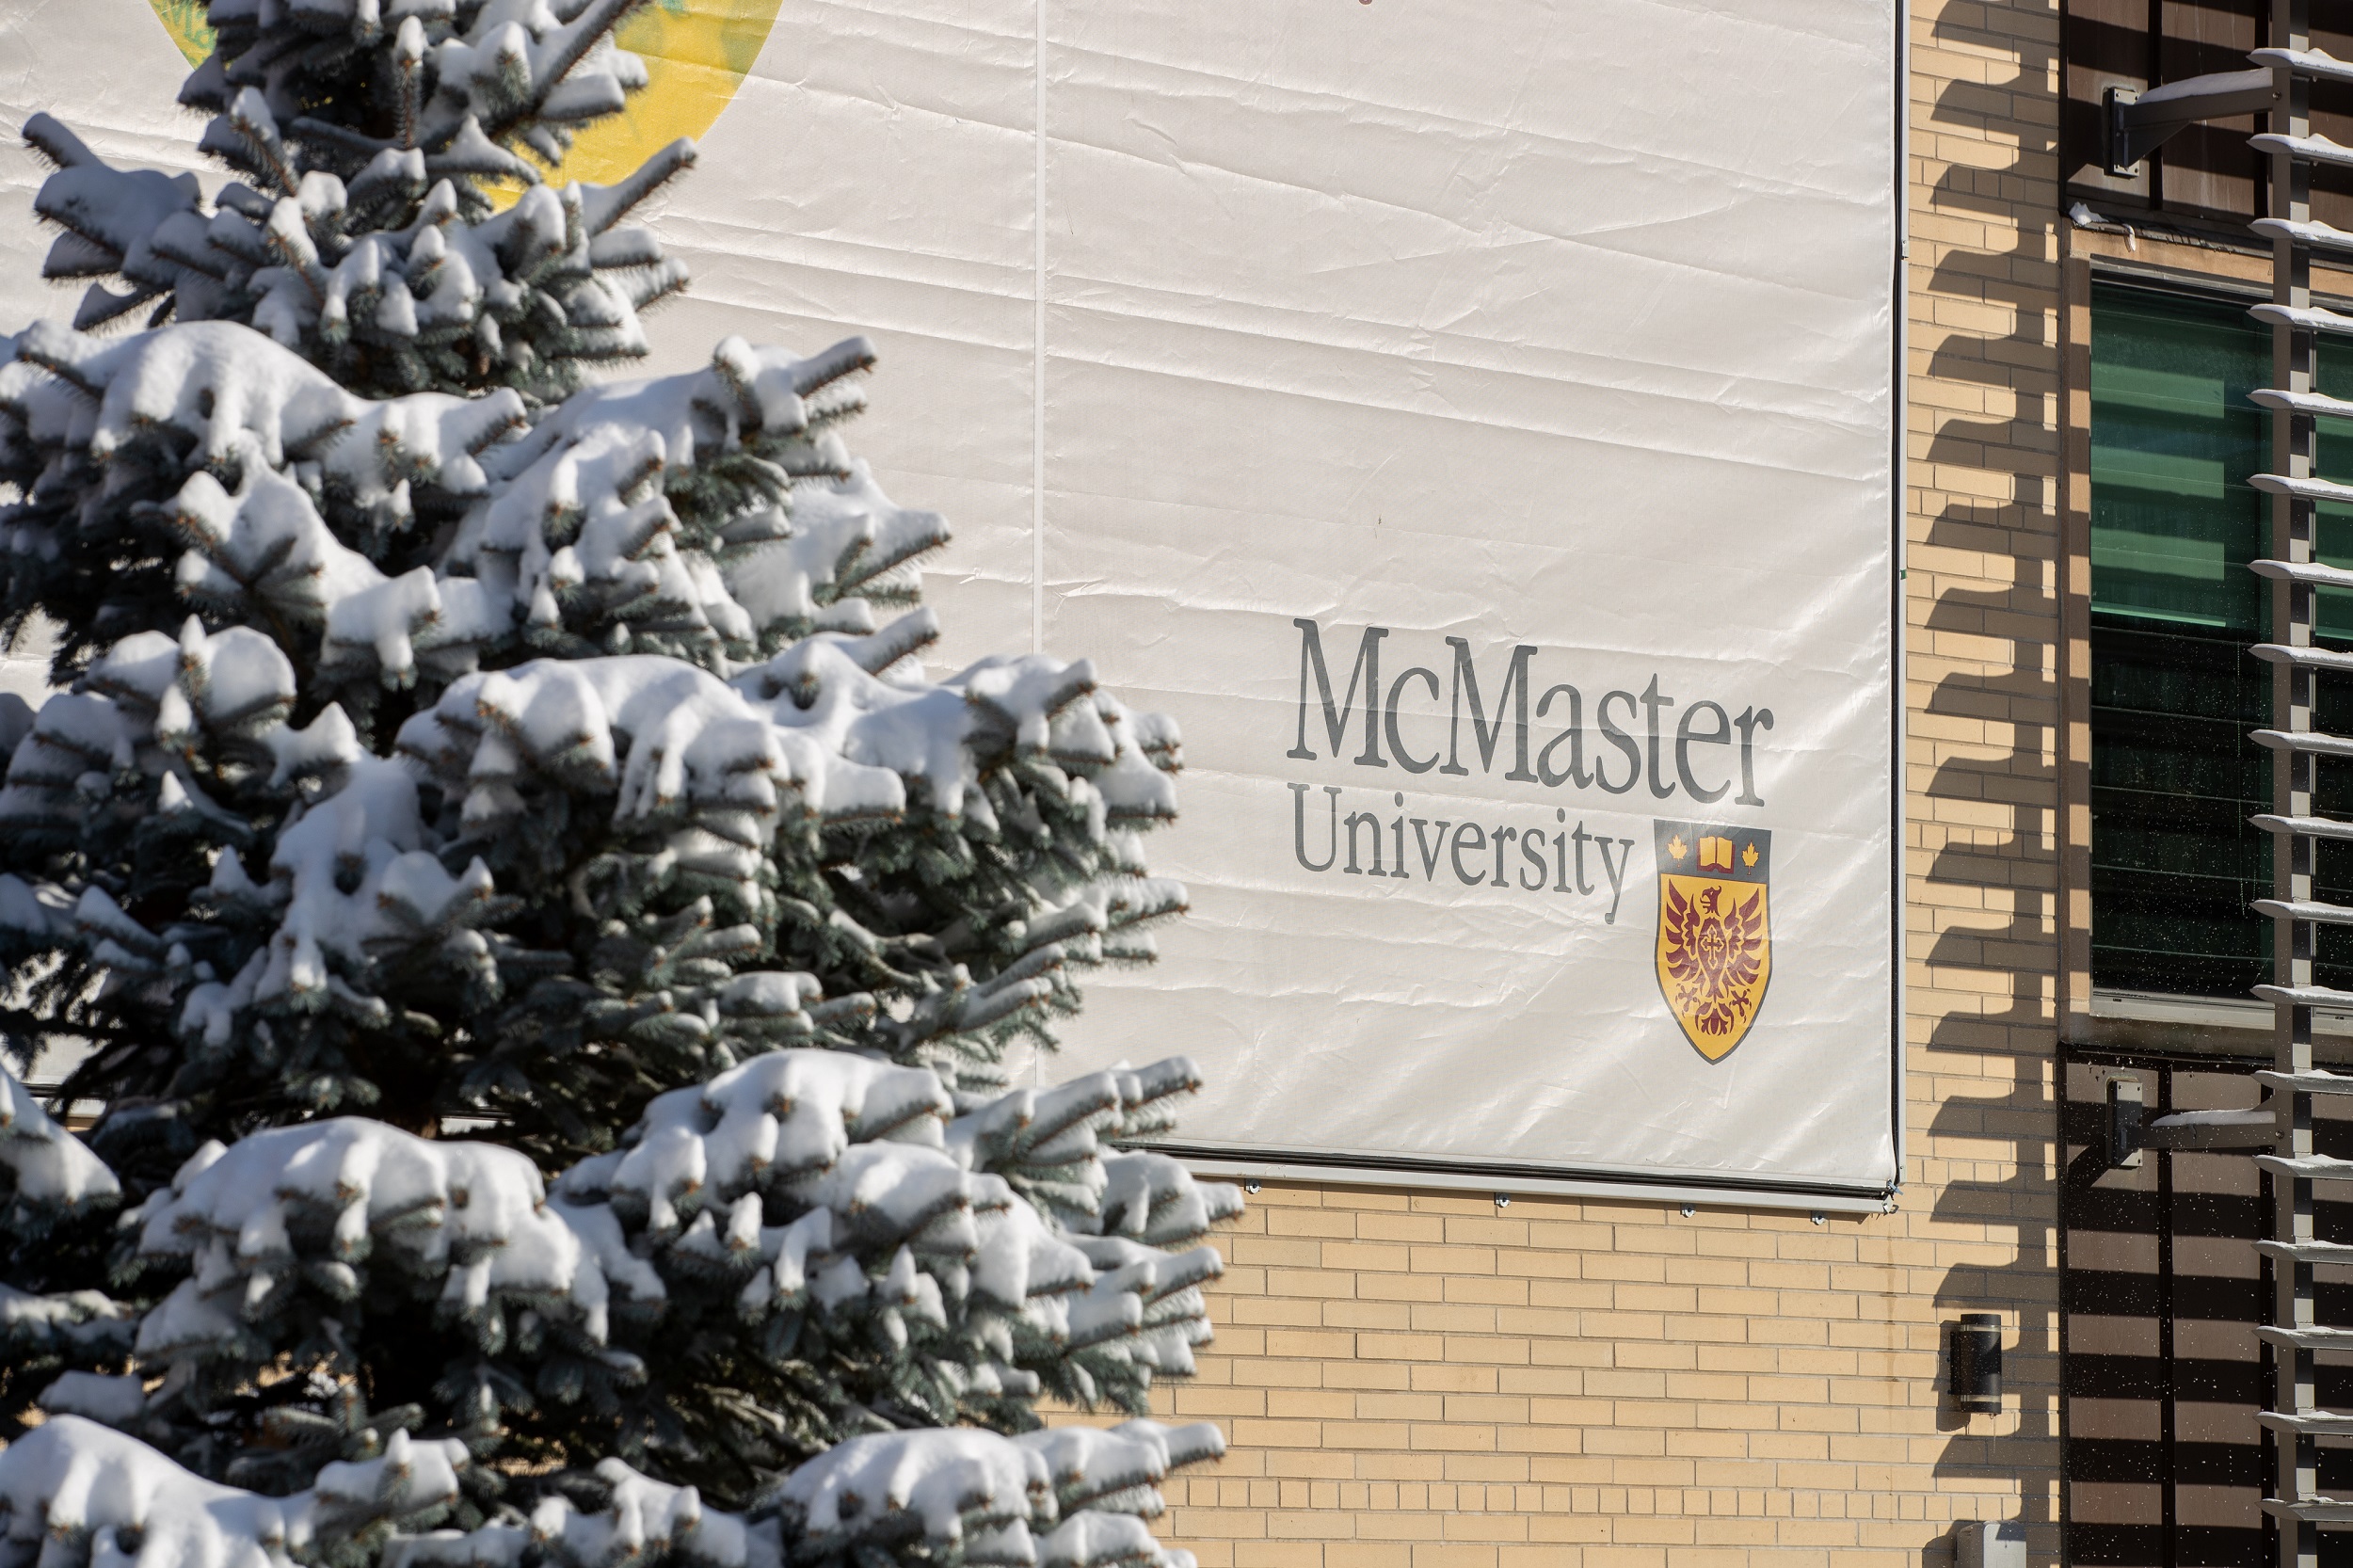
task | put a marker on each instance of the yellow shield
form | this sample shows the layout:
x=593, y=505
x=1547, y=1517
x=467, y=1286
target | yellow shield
x=1714, y=948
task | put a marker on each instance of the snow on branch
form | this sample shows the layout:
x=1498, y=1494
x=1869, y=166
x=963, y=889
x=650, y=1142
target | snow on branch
x=843, y=548
x=711, y=765
x=1050, y=1143
x=520, y=71
x=265, y=549
x=146, y=225
x=778, y=1116
x=77, y=1495
x=37, y=915
x=357, y=881
x=677, y=749
x=1120, y=1468
x=84, y=1326
x=49, y=1170
x=885, y=1213
x=991, y=1496
x=74, y=1494
x=154, y=695
x=326, y=1204
x=826, y=730
x=390, y=250
x=948, y=737
x=268, y=456
x=446, y=282
x=645, y=1521
x=580, y=527
x=940, y=1487
x=888, y=1220
x=223, y=395
x=880, y=1222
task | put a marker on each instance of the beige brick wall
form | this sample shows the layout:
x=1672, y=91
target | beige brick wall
x=1427, y=1380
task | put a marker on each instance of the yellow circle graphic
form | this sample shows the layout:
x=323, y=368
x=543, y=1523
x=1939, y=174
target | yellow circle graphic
x=697, y=53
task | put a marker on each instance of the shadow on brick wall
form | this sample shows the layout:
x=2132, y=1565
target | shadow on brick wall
x=1986, y=811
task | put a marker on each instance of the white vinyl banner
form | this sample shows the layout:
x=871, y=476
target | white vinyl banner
x=1474, y=420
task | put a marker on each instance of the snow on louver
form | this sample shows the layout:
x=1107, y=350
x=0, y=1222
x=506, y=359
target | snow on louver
x=505, y=856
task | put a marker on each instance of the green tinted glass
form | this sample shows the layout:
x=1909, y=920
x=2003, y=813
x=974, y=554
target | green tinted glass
x=2174, y=441
x=2174, y=523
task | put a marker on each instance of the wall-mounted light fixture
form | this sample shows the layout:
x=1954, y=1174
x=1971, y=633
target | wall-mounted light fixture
x=2127, y=1109
x=1975, y=1359
x=1990, y=1543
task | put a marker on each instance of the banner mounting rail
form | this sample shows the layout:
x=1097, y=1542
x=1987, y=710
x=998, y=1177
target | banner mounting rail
x=1521, y=1182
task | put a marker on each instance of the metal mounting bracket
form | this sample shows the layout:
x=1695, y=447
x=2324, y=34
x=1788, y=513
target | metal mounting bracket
x=2138, y=123
x=2129, y=1132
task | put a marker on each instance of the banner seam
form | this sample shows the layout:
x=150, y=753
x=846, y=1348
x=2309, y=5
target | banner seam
x=1037, y=346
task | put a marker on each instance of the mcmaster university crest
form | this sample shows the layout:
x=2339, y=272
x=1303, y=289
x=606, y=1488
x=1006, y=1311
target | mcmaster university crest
x=1715, y=951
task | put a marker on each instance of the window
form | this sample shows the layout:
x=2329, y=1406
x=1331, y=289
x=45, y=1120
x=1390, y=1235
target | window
x=2175, y=522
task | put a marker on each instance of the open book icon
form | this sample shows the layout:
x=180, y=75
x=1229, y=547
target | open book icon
x=1715, y=853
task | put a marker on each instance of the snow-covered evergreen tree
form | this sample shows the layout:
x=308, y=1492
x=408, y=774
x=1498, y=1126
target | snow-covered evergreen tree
x=542, y=950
